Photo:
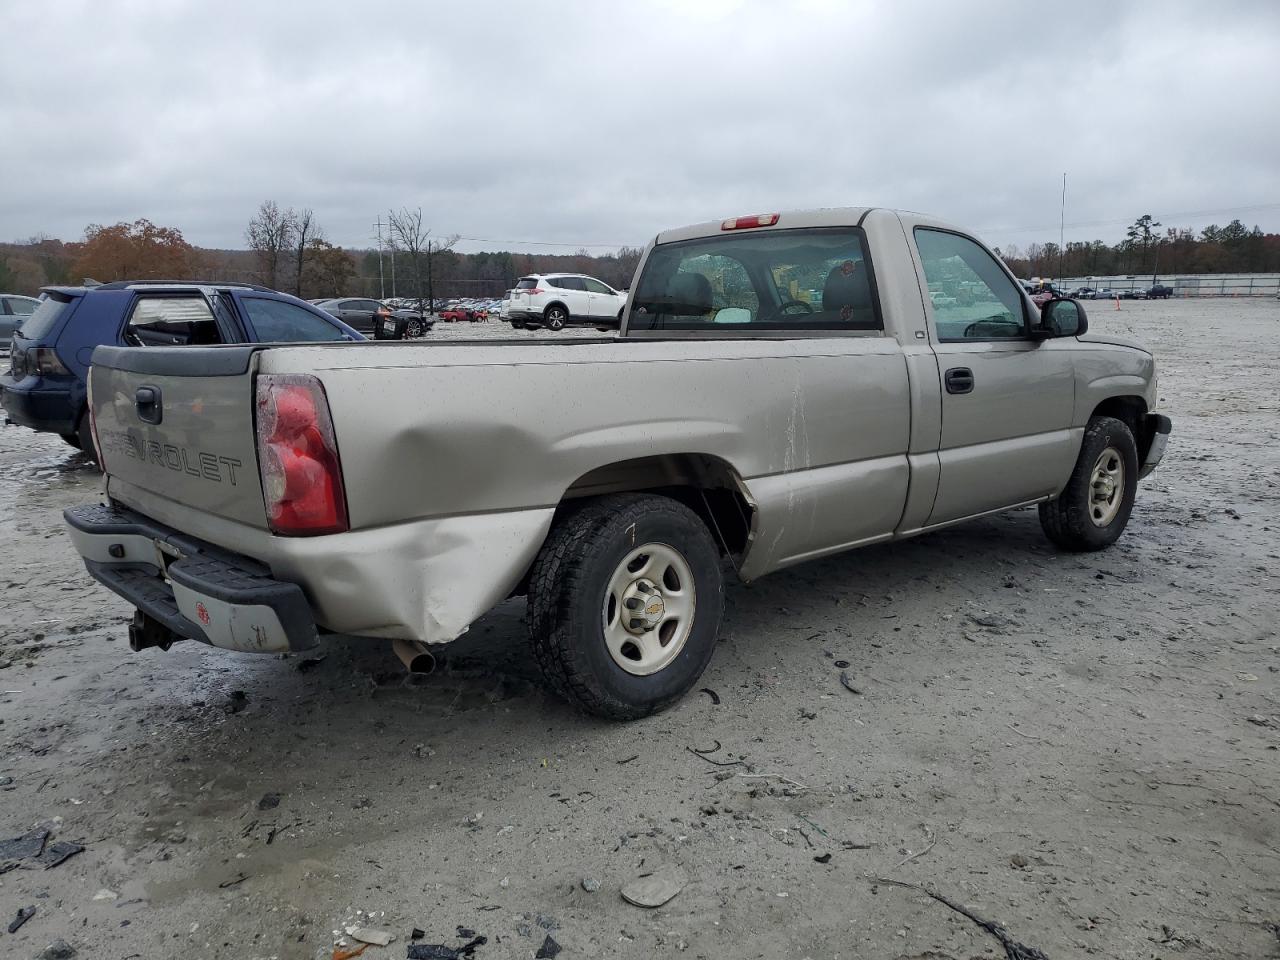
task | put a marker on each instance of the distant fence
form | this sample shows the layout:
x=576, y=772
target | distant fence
x=1186, y=285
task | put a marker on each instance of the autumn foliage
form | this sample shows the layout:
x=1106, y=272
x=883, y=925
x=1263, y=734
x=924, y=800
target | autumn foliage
x=132, y=251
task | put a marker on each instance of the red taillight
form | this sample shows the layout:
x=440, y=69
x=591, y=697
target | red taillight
x=746, y=223
x=298, y=457
x=533, y=291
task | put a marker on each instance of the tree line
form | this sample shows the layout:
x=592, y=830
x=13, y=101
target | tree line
x=286, y=249
x=1149, y=248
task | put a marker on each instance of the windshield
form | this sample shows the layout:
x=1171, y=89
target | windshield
x=814, y=279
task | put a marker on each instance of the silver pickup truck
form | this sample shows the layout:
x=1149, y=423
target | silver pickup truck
x=783, y=387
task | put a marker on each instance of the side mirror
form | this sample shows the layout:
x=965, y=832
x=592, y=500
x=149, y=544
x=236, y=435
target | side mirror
x=1060, y=318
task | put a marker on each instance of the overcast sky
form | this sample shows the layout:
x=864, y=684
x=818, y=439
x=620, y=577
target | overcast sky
x=604, y=122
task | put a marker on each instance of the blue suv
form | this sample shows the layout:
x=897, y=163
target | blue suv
x=51, y=350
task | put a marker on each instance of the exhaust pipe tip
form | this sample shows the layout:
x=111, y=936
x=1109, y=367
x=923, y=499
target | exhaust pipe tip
x=415, y=656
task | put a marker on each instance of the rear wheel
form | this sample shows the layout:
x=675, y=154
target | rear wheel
x=556, y=317
x=413, y=328
x=84, y=433
x=1094, y=508
x=72, y=438
x=625, y=602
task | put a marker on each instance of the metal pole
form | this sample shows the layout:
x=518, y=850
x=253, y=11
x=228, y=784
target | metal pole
x=393, y=263
x=382, y=284
x=1062, y=223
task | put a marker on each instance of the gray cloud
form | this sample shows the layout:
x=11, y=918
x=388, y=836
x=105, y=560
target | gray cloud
x=604, y=123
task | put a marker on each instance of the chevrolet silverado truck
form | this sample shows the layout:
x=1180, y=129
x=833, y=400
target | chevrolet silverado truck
x=783, y=387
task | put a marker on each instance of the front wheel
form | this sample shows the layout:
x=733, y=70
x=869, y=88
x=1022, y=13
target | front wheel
x=556, y=317
x=413, y=329
x=625, y=602
x=1094, y=508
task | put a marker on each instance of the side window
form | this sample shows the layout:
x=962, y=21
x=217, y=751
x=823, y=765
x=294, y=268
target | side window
x=275, y=321
x=726, y=282
x=5, y=309
x=973, y=299
x=170, y=321
x=595, y=286
x=22, y=307
x=571, y=283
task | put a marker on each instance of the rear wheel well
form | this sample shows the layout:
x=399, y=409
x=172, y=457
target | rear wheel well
x=1131, y=411
x=707, y=485
x=552, y=305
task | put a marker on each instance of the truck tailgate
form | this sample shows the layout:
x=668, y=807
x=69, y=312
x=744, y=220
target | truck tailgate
x=179, y=422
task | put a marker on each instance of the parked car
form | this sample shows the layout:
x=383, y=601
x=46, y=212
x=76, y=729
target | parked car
x=457, y=312
x=1160, y=292
x=417, y=320
x=360, y=313
x=558, y=300
x=729, y=427
x=13, y=310
x=45, y=386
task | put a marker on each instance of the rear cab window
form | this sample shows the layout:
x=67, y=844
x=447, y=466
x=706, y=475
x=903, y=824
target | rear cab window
x=796, y=280
x=527, y=283
x=39, y=324
x=166, y=321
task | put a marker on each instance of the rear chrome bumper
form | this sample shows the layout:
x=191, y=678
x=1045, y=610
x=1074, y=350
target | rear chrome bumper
x=1159, y=427
x=196, y=590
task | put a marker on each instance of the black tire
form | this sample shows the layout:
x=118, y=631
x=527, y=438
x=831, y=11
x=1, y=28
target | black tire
x=517, y=326
x=84, y=432
x=413, y=329
x=567, y=592
x=1069, y=521
x=555, y=317
x=71, y=438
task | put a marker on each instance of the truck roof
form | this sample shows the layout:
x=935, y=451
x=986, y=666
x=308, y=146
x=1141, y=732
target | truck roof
x=789, y=220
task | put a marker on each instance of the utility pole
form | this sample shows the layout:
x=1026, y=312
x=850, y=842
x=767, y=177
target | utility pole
x=393, y=261
x=1062, y=224
x=382, y=284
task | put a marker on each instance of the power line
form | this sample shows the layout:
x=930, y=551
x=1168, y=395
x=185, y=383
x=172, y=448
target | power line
x=545, y=243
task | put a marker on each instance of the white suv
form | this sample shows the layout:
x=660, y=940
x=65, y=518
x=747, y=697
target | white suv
x=555, y=300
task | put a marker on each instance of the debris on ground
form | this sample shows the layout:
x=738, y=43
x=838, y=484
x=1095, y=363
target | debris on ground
x=656, y=888
x=341, y=953
x=847, y=682
x=548, y=950
x=23, y=847
x=236, y=702
x=824, y=858
x=634, y=756
x=305, y=666
x=1013, y=950
x=56, y=853
x=469, y=949
x=417, y=934
x=545, y=922
x=269, y=801
x=379, y=938
x=715, y=697
x=238, y=879
x=431, y=951
x=590, y=884
x=24, y=914
x=58, y=950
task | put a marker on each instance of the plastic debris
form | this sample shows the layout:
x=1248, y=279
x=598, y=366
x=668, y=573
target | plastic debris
x=27, y=845
x=379, y=938
x=24, y=914
x=715, y=697
x=847, y=682
x=56, y=853
x=590, y=884
x=431, y=951
x=548, y=949
x=339, y=953
x=655, y=889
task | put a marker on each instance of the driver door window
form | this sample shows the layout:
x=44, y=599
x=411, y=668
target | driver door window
x=973, y=298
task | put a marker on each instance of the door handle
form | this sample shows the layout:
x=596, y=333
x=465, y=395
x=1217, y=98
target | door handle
x=959, y=380
x=147, y=401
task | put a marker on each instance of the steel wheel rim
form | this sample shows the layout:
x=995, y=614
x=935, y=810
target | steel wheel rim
x=648, y=609
x=1106, y=487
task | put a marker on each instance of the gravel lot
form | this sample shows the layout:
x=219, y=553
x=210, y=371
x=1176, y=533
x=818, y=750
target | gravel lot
x=1083, y=748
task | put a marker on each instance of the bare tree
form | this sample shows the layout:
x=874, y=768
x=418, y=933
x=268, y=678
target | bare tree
x=409, y=236
x=305, y=230
x=270, y=237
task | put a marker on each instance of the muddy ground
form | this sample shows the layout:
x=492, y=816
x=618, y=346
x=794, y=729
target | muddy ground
x=1083, y=748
